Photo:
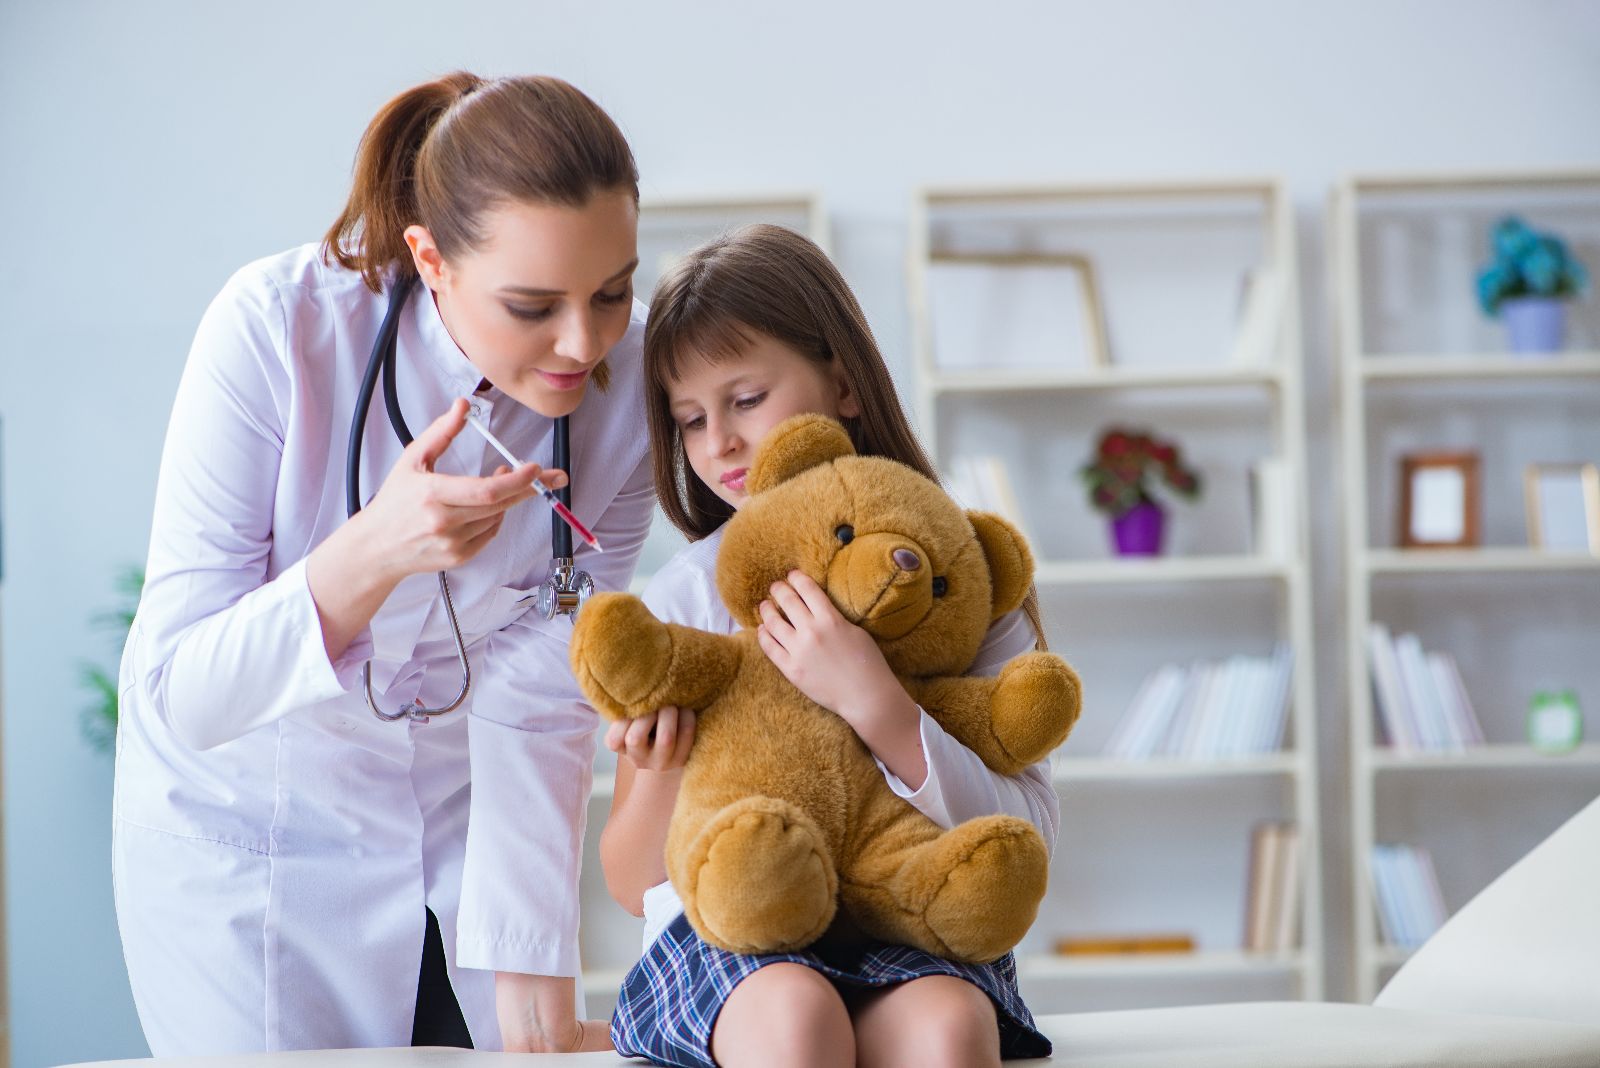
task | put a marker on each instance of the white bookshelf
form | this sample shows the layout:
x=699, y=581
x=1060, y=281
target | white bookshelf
x=1421, y=368
x=1188, y=871
x=668, y=226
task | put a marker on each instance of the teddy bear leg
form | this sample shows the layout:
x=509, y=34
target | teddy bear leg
x=1035, y=705
x=969, y=894
x=758, y=878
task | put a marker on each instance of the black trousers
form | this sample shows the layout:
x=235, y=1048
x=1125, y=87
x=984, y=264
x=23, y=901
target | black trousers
x=438, y=1020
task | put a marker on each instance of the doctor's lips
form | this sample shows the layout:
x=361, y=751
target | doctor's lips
x=734, y=479
x=564, y=382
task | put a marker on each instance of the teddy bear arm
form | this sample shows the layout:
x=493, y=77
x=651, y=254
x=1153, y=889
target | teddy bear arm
x=629, y=663
x=1014, y=719
x=961, y=706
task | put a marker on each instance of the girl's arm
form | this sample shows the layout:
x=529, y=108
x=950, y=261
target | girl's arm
x=651, y=751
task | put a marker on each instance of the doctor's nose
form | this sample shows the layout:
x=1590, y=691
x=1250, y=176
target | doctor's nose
x=579, y=338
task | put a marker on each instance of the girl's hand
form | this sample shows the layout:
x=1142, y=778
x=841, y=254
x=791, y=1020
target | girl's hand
x=421, y=521
x=659, y=741
x=840, y=667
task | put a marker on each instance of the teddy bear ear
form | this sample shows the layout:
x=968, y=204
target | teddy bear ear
x=1010, y=561
x=797, y=444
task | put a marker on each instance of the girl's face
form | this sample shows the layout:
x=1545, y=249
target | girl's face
x=545, y=296
x=724, y=408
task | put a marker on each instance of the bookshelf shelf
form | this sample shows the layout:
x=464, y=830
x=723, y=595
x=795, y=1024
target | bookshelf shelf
x=1205, y=963
x=1444, y=366
x=1488, y=560
x=1113, y=571
x=1485, y=756
x=1148, y=246
x=1005, y=381
x=1090, y=769
x=1404, y=249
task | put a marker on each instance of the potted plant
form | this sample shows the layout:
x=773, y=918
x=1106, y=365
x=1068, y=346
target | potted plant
x=1529, y=281
x=98, y=719
x=1126, y=466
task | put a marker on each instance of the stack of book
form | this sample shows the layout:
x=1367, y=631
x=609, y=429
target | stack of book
x=1232, y=708
x=1422, y=703
x=1272, y=897
x=1410, y=906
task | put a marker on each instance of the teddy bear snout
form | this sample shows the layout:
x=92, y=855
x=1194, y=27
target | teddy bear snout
x=906, y=560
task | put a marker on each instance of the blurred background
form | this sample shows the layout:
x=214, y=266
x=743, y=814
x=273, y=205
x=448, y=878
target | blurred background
x=149, y=150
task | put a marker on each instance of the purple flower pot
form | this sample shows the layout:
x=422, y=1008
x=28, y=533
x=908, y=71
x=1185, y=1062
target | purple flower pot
x=1535, y=326
x=1138, y=531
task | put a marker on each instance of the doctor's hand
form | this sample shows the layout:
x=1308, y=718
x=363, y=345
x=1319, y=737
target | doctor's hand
x=659, y=741
x=535, y=1013
x=839, y=666
x=420, y=521
x=423, y=521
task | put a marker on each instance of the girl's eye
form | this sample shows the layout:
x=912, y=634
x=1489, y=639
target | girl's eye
x=749, y=402
x=529, y=314
x=621, y=296
x=694, y=424
x=940, y=586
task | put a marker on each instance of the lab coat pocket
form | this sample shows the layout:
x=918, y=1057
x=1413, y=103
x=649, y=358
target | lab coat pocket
x=502, y=606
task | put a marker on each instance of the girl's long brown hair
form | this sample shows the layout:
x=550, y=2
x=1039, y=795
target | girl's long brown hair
x=764, y=279
x=444, y=153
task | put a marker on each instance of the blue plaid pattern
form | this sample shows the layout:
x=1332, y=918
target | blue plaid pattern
x=670, y=999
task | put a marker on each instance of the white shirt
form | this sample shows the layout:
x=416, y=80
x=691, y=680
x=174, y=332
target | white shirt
x=308, y=833
x=959, y=786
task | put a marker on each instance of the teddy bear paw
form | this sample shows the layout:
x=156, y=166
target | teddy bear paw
x=620, y=653
x=994, y=882
x=760, y=879
x=1035, y=706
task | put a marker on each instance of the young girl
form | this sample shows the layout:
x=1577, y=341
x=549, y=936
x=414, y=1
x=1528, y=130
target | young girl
x=744, y=332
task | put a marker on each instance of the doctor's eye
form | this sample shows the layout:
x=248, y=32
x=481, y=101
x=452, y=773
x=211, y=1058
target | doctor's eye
x=845, y=533
x=940, y=586
x=531, y=315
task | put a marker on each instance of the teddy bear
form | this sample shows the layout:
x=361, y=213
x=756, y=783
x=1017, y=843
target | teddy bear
x=782, y=817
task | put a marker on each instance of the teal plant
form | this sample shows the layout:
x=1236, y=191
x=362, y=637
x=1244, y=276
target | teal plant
x=1527, y=263
x=98, y=720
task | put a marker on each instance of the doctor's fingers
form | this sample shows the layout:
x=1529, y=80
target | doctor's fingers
x=498, y=491
x=429, y=445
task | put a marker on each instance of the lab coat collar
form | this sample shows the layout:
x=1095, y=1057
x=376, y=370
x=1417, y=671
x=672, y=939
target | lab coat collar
x=462, y=374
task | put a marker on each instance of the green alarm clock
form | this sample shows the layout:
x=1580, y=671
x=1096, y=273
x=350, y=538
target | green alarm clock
x=1555, y=722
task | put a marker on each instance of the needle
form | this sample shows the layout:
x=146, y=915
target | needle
x=545, y=491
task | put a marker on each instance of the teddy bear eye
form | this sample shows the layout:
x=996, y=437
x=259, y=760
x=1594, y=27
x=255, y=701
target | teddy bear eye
x=845, y=533
x=940, y=585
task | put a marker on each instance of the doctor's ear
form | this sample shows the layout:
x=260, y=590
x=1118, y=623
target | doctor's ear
x=425, y=254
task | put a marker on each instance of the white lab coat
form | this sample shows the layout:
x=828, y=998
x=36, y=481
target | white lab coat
x=274, y=842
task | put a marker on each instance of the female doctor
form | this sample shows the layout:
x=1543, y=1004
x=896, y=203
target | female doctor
x=282, y=854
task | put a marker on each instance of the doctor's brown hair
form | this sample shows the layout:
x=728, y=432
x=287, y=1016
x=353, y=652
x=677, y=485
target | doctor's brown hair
x=765, y=279
x=444, y=153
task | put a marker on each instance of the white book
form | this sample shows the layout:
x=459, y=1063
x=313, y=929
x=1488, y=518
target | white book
x=1393, y=705
x=1420, y=693
x=1383, y=891
x=1473, y=729
x=1164, y=698
x=1279, y=701
x=1260, y=317
x=1244, y=717
x=1271, y=508
x=1203, y=678
x=1424, y=917
x=1132, y=717
x=1437, y=913
x=1456, y=729
x=1183, y=716
x=1221, y=705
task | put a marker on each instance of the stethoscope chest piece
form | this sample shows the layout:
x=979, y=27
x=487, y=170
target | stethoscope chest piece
x=566, y=590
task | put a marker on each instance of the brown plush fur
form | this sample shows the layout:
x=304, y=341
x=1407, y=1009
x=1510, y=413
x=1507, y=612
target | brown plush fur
x=782, y=814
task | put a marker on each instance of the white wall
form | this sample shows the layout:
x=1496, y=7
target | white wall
x=147, y=150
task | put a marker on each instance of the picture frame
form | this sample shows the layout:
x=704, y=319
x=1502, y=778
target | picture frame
x=1439, y=500
x=1563, y=506
x=990, y=310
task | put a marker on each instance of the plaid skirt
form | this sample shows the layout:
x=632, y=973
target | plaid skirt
x=670, y=1000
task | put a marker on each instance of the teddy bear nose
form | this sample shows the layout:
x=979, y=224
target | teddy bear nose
x=906, y=560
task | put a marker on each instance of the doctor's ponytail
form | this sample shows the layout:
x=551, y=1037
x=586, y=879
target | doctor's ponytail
x=444, y=153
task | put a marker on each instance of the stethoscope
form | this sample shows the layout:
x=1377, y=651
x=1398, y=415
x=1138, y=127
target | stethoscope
x=562, y=594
